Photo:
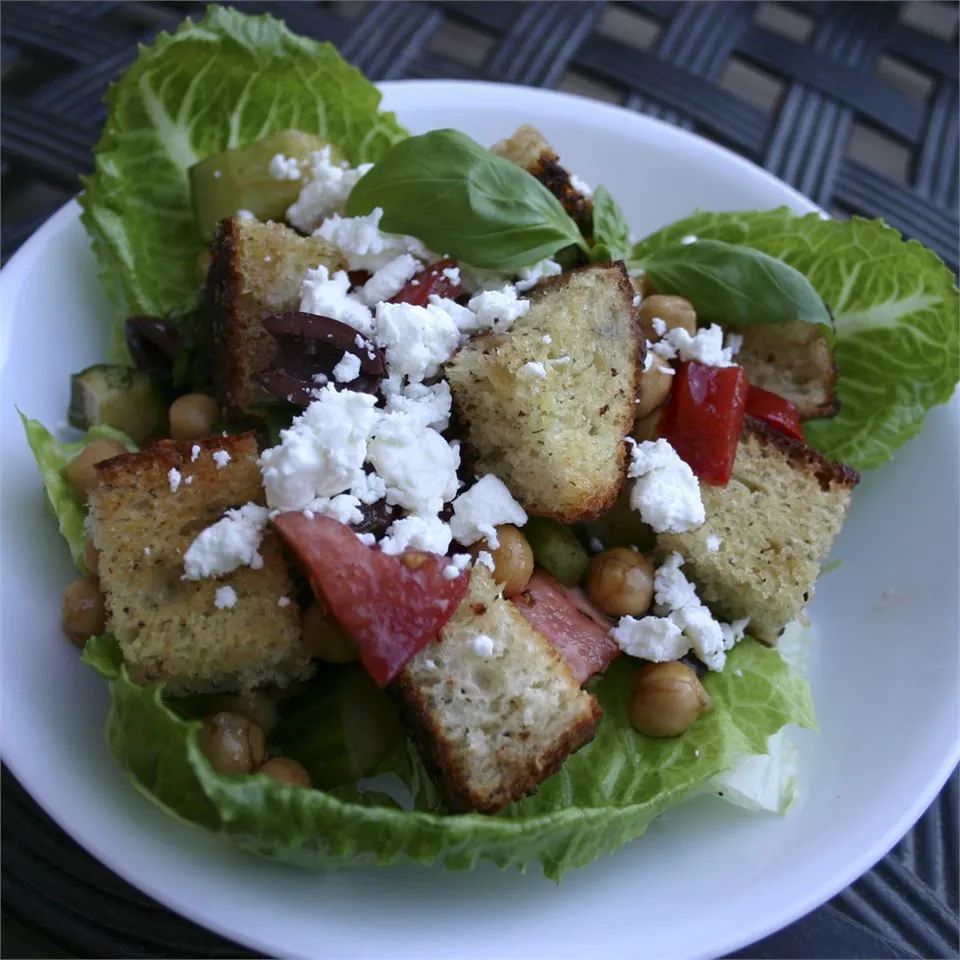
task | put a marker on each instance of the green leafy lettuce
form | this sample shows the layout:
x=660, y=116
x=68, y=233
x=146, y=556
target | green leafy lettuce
x=895, y=311
x=604, y=796
x=52, y=457
x=224, y=82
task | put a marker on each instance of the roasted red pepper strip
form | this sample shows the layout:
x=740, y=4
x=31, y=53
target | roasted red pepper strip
x=775, y=411
x=392, y=607
x=430, y=281
x=703, y=417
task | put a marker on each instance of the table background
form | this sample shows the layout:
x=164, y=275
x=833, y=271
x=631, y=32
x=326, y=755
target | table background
x=855, y=104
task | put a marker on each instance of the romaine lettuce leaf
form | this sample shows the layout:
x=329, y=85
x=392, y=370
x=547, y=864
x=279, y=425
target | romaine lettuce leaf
x=52, y=457
x=605, y=795
x=224, y=82
x=895, y=309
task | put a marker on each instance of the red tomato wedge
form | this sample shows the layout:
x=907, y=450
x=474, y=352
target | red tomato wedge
x=570, y=622
x=775, y=411
x=703, y=417
x=391, y=608
x=430, y=281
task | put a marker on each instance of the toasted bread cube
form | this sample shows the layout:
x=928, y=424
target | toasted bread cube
x=494, y=706
x=528, y=148
x=776, y=519
x=794, y=360
x=143, y=517
x=556, y=440
x=255, y=272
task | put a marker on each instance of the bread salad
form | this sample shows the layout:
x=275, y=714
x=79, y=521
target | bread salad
x=425, y=514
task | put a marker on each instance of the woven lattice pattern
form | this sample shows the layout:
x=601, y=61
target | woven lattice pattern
x=855, y=104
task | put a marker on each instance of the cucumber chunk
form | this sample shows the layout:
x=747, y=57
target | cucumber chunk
x=557, y=549
x=119, y=397
x=240, y=179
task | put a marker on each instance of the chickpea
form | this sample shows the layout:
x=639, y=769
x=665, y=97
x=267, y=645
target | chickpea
x=326, y=639
x=287, y=771
x=82, y=614
x=192, y=416
x=620, y=582
x=673, y=311
x=655, y=385
x=232, y=742
x=512, y=560
x=91, y=556
x=253, y=704
x=81, y=470
x=646, y=427
x=667, y=699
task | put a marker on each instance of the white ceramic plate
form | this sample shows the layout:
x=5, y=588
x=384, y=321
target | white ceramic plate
x=707, y=878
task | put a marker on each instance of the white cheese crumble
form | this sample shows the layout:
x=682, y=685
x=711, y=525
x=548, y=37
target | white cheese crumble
x=390, y=279
x=416, y=340
x=244, y=214
x=465, y=319
x=482, y=508
x=221, y=458
x=453, y=275
x=343, y=507
x=329, y=296
x=706, y=346
x=430, y=404
x=283, y=601
x=713, y=543
x=364, y=245
x=666, y=492
x=347, y=369
x=284, y=168
x=429, y=534
x=321, y=454
x=225, y=598
x=367, y=539
x=482, y=646
x=458, y=563
x=147, y=551
x=581, y=186
x=531, y=276
x=596, y=545
x=547, y=339
x=533, y=368
x=325, y=191
x=233, y=541
x=173, y=478
x=659, y=326
x=485, y=558
x=195, y=453
x=498, y=309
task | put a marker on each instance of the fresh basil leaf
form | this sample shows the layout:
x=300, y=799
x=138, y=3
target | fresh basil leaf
x=611, y=234
x=464, y=201
x=737, y=285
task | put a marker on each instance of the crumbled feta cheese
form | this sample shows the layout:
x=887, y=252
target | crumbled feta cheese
x=650, y=638
x=428, y=403
x=364, y=245
x=647, y=365
x=330, y=297
x=325, y=191
x=637, y=300
x=416, y=463
x=659, y=326
x=343, y=507
x=188, y=481
x=225, y=598
x=390, y=279
x=463, y=317
x=243, y=214
x=498, y=309
x=147, y=551
x=482, y=646
x=367, y=539
x=581, y=186
x=561, y=361
x=284, y=168
x=734, y=342
x=666, y=492
x=429, y=534
x=485, y=559
x=283, y=601
x=322, y=452
x=194, y=453
x=713, y=543
x=416, y=340
x=348, y=369
x=547, y=339
x=486, y=505
x=688, y=239
x=221, y=458
x=233, y=541
x=533, y=368
x=458, y=563
x=173, y=478
x=706, y=346
x=531, y=276
x=596, y=545
x=452, y=274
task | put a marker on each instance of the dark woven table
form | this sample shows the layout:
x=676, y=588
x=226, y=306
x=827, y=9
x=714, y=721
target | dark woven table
x=855, y=104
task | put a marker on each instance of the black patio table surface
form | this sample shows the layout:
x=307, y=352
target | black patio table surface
x=854, y=104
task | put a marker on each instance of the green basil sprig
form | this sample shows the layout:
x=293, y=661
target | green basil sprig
x=462, y=200
x=611, y=234
x=732, y=284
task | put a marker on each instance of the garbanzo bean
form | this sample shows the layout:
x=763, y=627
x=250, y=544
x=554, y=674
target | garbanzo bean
x=91, y=556
x=81, y=470
x=287, y=771
x=667, y=699
x=673, y=311
x=654, y=386
x=253, y=704
x=324, y=638
x=192, y=416
x=82, y=614
x=232, y=742
x=646, y=427
x=512, y=560
x=620, y=582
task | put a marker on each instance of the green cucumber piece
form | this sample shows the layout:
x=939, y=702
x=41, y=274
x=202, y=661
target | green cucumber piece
x=119, y=397
x=557, y=549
